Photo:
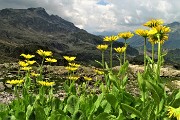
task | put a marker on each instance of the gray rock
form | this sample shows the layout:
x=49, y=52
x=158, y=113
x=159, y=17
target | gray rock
x=2, y=87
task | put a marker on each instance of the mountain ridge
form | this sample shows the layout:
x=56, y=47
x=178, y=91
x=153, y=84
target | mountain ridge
x=26, y=30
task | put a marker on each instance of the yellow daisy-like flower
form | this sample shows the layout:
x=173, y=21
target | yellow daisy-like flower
x=120, y=49
x=126, y=35
x=141, y=32
x=69, y=59
x=50, y=60
x=99, y=72
x=14, y=82
x=74, y=65
x=102, y=47
x=174, y=112
x=71, y=68
x=154, y=23
x=159, y=31
x=44, y=53
x=30, y=62
x=44, y=83
x=35, y=74
x=27, y=56
x=23, y=64
x=110, y=38
x=73, y=78
x=26, y=68
x=87, y=78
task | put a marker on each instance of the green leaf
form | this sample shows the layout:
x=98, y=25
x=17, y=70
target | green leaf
x=154, y=92
x=98, y=101
x=78, y=115
x=102, y=116
x=132, y=110
x=141, y=82
x=177, y=95
x=39, y=113
x=29, y=111
x=99, y=62
x=72, y=104
x=112, y=100
x=123, y=68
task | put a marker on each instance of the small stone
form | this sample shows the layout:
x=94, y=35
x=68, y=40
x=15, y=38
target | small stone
x=8, y=86
x=2, y=87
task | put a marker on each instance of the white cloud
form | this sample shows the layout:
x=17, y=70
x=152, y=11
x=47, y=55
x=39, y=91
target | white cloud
x=105, y=15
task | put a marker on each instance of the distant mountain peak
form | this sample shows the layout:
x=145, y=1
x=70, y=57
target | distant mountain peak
x=174, y=24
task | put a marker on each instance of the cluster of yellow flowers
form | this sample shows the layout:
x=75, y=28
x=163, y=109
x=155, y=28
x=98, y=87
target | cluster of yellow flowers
x=99, y=72
x=45, y=83
x=15, y=82
x=157, y=33
x=72, y=66
x=102, y=47
x=120, y=49
x=174, y=112
x=26, y=64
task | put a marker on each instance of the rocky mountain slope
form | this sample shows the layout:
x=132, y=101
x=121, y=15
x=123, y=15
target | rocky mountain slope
x=26, y=30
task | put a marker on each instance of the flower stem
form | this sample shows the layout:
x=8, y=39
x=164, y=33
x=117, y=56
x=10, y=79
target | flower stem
x=144, y=54
x=159, y=60
x=153, y=56
x=111, y=56
x=103, y=59
x=125, y=50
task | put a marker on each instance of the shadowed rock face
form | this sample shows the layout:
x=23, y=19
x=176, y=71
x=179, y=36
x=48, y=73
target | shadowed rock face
x=26, y=30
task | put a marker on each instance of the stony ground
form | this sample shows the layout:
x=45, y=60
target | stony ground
x=9, y=71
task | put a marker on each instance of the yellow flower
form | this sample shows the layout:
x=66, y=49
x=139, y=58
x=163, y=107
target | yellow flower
x=69, y=59
x=99, y=72
x=87, y=78
x=120, y=49
x=28, y=56
x=44, y=83
x=71, y=68
x=73, y=78
x=44, y=53
x=26, y=68
x=50, y=60
x=153, y=31
x=160, y=32
x=35, y=74
x=14, y=82
x=74, y=65
x=174, y=112
x=23, y=64
x=141, y=32
x=125, y=35
x=102, y=47
x=111, y=38
x=154, y=23
x=30, y=62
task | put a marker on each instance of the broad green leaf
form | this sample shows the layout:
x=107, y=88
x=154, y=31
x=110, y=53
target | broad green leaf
x=98, y=101
x=39, y=113
x=72, y=104
x=102, y=116
x=154, y=92
x=29, y=111
x=112, y=100
x=132, y=110
x=177, y=95
x=123, y=68
x=78, y=115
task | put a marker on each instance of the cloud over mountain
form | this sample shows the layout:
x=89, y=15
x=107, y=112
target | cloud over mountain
x=104, y=15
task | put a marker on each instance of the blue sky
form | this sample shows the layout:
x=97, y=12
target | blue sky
x=105, y=15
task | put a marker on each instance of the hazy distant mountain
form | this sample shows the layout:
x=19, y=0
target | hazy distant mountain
x=26, y=30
